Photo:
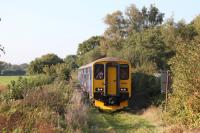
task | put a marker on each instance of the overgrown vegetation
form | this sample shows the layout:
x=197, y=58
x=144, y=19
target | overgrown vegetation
x=184, y=104
x=42, y=105
x=139, y=36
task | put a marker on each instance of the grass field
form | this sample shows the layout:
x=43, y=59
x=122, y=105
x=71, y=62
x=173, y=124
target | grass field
x=5, y=80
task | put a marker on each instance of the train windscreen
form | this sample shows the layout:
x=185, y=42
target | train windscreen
x=124, y=72
x=99, y=71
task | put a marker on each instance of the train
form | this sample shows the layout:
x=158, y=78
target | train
x=107, y=81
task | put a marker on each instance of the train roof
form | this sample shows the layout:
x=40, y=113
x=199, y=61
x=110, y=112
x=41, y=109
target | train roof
x=101, y=60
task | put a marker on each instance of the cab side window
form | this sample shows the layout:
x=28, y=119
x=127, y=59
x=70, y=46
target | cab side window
x=124, y=72
x=99, y=71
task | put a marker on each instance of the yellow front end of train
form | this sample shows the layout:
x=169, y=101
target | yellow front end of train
x=110, y=83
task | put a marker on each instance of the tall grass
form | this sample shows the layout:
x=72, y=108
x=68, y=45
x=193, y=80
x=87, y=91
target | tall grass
x=77, y=113
x=54, y=107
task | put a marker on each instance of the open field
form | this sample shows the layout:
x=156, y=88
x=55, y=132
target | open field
x=4, y=80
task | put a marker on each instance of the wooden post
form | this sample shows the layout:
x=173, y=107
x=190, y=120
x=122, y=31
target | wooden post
x=166, y=89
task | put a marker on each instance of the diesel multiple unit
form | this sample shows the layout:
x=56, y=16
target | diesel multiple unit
x=107, y=81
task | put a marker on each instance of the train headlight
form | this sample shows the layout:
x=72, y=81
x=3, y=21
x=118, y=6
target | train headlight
x=123, y=89
x=99, y=89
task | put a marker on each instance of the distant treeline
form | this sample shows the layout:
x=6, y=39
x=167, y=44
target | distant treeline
x=7, y=69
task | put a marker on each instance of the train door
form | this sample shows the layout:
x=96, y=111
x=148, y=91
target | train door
x=112, y=80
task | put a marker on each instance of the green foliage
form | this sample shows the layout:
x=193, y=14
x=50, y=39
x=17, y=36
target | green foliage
x=47, y=108
x=186, y=31
x=40, y=109
x=145, y=83
x=90, y=56
x=36, y=66
x=117, y=25
x=17, y=89
x=71, y=61
x=137, y=37
x=146, y=18
x=88, y=45
x=147, y=46
x=196, y=23
x=89, y=51
x=184, y=103
x=58, y=71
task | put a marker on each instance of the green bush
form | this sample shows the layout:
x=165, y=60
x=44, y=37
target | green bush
x=17, y=89
x=37, y=65
x=54, y=107
x=184, y=103
x=59, y=72
x=145, y=83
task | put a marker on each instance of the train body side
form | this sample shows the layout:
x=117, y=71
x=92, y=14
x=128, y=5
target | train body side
x=85, y=78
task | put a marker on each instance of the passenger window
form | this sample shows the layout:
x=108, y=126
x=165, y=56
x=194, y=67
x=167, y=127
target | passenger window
x=124, y=72
x=99, y=71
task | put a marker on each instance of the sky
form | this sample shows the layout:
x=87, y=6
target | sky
x=32, y=28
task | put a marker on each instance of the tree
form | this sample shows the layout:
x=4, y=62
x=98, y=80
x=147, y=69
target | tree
x=88, y=45
x=116, y=31
x=196, y=23
x=71, y=61
x=135, y=18
x=185, y=31
x=58, y=71
x=120, y=27
x=116, y=25
x=168, y=30
x=138, y=20
x=155, y=17
x=36, y=66
x=90, y=56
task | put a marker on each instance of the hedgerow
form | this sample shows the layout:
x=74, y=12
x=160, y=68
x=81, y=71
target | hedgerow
x=184, y=102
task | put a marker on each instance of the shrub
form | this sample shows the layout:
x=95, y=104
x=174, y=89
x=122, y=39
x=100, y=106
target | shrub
x=17, y=89
x=145, y=83
x=59, y=71
x=36, y=66
x=41, y=109
x=184, y=104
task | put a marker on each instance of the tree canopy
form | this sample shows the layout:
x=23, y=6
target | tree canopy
x=71, y=61
x=36, y=66
x=88, y=45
